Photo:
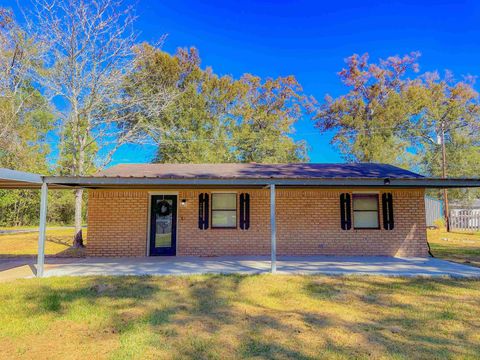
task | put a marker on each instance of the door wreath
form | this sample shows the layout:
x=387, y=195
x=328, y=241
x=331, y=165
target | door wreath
x=162, y=208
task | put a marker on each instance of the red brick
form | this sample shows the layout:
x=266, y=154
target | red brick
x=308, y=223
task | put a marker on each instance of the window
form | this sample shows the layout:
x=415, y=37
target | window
x=224, y=210
x=365, y=211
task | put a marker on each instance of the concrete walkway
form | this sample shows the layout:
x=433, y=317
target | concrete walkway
x=252, y=265
x=331, y=265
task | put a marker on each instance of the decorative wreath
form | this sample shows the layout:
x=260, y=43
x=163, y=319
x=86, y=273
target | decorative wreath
x=163, y=208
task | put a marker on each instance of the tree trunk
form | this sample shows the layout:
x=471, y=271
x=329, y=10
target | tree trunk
x=78, y=238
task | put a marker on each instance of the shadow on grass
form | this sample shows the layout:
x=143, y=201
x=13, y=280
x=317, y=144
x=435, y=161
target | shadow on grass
x=256, y=347
x=199, y=317
x=422, y=328
x=54, y=299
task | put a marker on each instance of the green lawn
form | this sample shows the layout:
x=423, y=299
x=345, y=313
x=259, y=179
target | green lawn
x=58, y=243
x=223, y=317
x=460, y=247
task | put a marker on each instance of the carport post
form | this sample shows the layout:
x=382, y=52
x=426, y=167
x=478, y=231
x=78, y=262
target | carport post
x=273, y=229
x=42, y=230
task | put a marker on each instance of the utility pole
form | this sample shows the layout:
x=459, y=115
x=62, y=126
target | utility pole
x=444, y=175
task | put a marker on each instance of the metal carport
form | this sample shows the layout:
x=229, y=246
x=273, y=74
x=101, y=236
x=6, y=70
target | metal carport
x=11, y=179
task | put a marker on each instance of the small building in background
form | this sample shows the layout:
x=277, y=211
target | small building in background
x=467, y=208
x=433, y=211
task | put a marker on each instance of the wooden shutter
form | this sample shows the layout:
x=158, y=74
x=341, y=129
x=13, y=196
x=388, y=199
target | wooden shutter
x=345, y=211
x=203, y=212
x=387, y=209
x=244, y=211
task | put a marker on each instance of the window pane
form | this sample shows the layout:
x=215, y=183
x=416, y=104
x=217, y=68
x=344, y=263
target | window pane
x=365, y=219
x=163, y=226
x=224, y=219
x=365, y=202
x=224, y=201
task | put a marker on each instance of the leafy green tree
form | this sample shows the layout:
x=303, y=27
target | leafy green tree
x=24, y=113
x=213, y=118
x=25, y=119
x=450, y=117
x=268, y=111
x=426, y=123
x=447, y=132
x=197, y=124
x=370, y=120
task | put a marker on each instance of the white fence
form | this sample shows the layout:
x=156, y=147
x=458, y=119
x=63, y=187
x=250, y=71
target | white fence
x=465, y=219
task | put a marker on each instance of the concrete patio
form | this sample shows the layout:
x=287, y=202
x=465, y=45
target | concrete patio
x=330, y=265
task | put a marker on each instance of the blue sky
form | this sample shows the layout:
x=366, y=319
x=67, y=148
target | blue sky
x=311, y=39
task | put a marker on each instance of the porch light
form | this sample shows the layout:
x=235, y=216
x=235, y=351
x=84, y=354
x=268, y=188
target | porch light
x=386, y=181
x=184, y=202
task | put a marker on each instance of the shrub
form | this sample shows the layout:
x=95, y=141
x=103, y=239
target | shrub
x=439, y=223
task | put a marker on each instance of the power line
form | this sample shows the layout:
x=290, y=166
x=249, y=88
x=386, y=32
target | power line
x=352, y=131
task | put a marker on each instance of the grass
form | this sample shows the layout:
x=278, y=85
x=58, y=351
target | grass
x=22, y=227
x=233, y=316
x=459, y=247
x=32, y=227
x=58, y=243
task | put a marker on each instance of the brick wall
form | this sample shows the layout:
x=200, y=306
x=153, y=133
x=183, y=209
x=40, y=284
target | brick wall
x=254, y=241
x=308, y=223
x=117, y=223
x=312, y=226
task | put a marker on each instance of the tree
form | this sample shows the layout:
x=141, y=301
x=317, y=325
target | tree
x=217, y=118
x=268, y=111
x=428, y=123
x=447, y=132
x=194, y=127
x=87, y=52
x=369, y=121
x=24, y=114
x=25, y=119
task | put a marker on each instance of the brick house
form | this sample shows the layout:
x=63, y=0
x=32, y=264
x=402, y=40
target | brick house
x=225, y=209
x=138, y=210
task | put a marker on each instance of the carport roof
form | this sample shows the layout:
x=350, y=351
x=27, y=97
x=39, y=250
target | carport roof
x=13, y=179
x=145, y=176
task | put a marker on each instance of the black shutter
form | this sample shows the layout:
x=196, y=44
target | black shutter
x=345, y=211
x=203, y=212
x=387, y=207
x=244, y=211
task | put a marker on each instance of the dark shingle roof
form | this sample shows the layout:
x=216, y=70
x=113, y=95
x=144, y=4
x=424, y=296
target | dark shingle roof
x=259, y=171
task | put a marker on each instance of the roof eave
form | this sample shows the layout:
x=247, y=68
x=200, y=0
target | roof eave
x=319, y=182
x=19, y=179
